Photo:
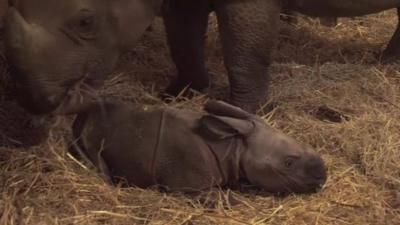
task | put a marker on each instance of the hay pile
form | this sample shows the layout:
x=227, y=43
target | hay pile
x=327, y=91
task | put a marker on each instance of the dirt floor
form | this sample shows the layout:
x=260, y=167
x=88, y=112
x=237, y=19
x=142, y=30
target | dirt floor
x=328, y=91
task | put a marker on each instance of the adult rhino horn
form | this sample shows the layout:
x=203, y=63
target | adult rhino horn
x=221, y=108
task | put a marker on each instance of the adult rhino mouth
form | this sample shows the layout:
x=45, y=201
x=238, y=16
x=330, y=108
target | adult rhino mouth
x=79, y=96
x=54, y=98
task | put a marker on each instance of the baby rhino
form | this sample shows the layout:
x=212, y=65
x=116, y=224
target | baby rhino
x=187, y=151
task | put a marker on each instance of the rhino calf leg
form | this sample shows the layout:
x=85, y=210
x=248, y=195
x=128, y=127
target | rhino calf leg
x=186, y=26
x=79, y=149
x=98, y=162
x=392, y=51
x=249, y=31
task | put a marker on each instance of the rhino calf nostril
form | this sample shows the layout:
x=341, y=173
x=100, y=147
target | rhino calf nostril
x=316, y=169
x=322, y=180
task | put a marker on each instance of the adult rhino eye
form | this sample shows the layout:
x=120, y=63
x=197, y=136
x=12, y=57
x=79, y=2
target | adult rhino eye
x=84, y=25
x=87, y=28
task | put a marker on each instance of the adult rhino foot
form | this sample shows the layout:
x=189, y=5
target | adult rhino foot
x=389, y=57
x=251, y=107
x=328, y=21
x=289, y=16
x=180, y=87
x=250, y=103
x=392, y=52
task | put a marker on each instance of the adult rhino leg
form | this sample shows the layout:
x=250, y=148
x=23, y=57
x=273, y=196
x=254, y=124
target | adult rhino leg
x=249, y=30
x=186, y=26
x=3, y=10
x=392, y=51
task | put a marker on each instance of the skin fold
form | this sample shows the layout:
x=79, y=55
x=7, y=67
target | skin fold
x=187, y=151
x=57, y=62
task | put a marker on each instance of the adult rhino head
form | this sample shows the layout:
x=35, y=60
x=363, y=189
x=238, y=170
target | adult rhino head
x=59, y=50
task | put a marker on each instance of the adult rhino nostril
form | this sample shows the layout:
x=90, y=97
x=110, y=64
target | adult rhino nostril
x=36, y=102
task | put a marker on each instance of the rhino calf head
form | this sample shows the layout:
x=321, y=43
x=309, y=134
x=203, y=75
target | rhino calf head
x=185, y=150
x=271, y=159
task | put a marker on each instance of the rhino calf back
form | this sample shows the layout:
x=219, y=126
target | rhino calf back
x=184, y=161
x=149, y=147
x=123, y=137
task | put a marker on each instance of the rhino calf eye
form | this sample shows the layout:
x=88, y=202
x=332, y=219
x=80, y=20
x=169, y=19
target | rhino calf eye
x=289, y=163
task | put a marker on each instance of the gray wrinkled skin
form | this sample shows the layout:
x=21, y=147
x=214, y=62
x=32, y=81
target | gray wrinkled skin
x=62, y=49
x=188, y=151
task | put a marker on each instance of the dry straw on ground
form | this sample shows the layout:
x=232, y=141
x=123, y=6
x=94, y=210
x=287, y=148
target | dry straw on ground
x=327, y=91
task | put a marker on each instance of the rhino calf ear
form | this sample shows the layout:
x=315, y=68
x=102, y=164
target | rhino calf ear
x=221, y=108
x=222, y=127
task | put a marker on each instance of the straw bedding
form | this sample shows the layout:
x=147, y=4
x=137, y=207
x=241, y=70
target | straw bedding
x=328, y=90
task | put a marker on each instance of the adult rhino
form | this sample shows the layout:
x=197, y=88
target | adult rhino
x=61, y=49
